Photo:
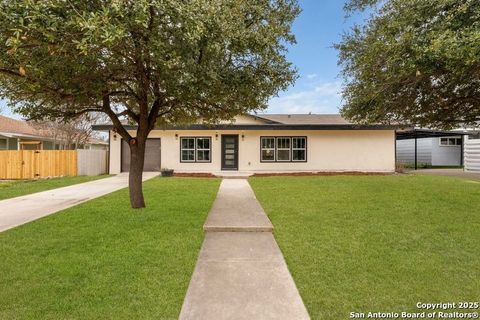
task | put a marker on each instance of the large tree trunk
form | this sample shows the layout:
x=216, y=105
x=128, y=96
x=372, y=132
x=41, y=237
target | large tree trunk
x=137, y=157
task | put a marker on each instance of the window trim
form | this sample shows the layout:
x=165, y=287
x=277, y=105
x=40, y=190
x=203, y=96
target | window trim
x=450, y=145
x=291, y=149
x=195, y=149
x=203, y=149
x=274, y=149
x=182, y=149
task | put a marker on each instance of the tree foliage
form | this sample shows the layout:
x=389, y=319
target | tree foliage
x=413, y=61
x=171, y=60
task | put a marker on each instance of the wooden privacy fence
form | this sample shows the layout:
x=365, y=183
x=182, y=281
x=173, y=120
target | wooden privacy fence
x=30, y=164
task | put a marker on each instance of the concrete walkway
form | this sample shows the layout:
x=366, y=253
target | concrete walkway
x=20, y=210
x=236, y=209
x=240, y=272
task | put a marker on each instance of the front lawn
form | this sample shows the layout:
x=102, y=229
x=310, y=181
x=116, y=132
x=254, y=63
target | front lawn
x=376, y=243
x=16, y=188
x=103, y=260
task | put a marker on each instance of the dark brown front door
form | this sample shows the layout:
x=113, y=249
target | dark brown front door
x=229, y=152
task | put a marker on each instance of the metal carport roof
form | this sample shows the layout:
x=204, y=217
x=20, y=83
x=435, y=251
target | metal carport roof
x=426, y=133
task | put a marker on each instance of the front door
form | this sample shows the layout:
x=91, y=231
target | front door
x=229, y=152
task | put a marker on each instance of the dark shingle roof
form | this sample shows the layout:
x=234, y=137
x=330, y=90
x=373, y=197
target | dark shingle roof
x=277, y=122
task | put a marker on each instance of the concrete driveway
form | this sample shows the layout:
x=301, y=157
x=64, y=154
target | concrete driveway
x=20, y=210
x=459, y=173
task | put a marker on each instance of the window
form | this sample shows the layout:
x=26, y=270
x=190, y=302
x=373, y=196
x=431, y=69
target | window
x=450, y=141
x=268, y=149
x=203, y=149
x=283, y=149
x=195, y=149
x=299, y=149
x=3, y=144
x=188, y=149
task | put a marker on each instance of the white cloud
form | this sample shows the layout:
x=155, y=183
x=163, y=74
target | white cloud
x=323, y=98
x=329, y=89
x=311, y=76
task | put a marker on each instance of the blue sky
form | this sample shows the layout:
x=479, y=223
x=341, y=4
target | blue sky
x=317, y=89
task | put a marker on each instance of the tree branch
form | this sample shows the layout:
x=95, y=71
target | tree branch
x=115, y=120
x=10, y=72
x=129, y=113
x=53, y=90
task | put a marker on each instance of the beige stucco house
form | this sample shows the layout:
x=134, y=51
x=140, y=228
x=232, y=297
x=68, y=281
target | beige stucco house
x=264, y=144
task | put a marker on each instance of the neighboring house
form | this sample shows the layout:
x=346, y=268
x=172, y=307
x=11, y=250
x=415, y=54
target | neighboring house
x=22, y=135
x=263, y=144
x=96, y=144
x=435, y=151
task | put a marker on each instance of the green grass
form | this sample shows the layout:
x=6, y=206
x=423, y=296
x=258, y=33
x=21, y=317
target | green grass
x=376, y=243
x=103, y=260
x=11, y=189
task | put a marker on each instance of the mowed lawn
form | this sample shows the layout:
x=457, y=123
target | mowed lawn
x=11, y=189
x=103, y=260
x=376, y=243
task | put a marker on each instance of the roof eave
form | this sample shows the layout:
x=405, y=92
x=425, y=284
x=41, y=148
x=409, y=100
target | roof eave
x=426, y=133
x=107, y=127
x=26, y=136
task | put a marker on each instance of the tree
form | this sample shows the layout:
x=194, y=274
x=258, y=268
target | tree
x=414, y=62
x=73, y=134
x=150, y=61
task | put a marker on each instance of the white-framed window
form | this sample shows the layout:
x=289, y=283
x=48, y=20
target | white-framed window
x=283, y=149
x=267, y=146
x=203, y=150
x=195, y=149
x=299, y=149
x=3, y=144
x=187, y=149
x=449, y=141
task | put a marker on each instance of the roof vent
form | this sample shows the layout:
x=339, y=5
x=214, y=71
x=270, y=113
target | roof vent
x=289, y=116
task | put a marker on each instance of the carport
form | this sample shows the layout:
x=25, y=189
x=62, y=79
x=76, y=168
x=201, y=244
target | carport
x=427, y=133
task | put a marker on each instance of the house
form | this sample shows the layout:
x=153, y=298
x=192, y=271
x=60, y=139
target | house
x=95, y=144
x=263, y=144
x=22, y=135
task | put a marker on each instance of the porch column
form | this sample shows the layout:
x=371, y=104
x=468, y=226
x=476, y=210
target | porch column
x=462, y=150
x=415, y=151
